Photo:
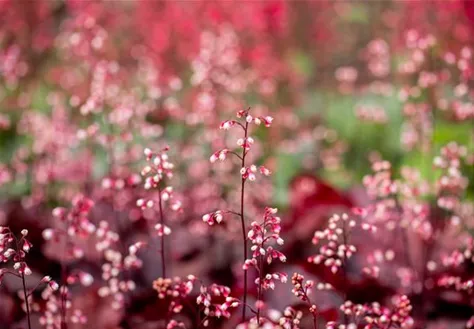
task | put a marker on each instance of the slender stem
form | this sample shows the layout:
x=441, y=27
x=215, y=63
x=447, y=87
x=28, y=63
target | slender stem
x=260, y=292
x=314, y=314
x=25, y=294
x=22, y=275
x=344, y=269
x=63, y=290
x=232, y=212
x=238, y=156
x=242, y=220
x=162, y=240
x=315, y=319
x=12, y=273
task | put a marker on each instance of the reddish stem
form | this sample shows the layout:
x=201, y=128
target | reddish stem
x=162, y=241
x=259, y=296
x=63, y=290
x=25, y=294
x=314, y=314
x=344, y=269
x=242, y=220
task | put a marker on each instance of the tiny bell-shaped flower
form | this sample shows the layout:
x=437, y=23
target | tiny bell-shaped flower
x=26, y=245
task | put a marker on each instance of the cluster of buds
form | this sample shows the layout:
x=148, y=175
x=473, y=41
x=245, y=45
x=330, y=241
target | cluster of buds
x=52, y=317
x=418, y=127
x=249, y=172
x=411, y=208
x=289, y=319
x=353, y=310
x=105, y=236
x=245, y=143
x=15, y=249
x=449, y=281
x=451, y=184
x=263, y=235
x=220, y=155
x=380, y=184
x=302, y=289
x=157, y=169
x=113, y=273
x=117, y=183
x=53, y=285
x=214, y=217
x=75, y=223
x=398, y=203
x=266, y=120
x=377, y=316
x=216, y=301
x=176, y=290
x=462, y=109
x=353, y=314
x=335, y=250
x=166, y=194
x=459, y=257
x=374, y=259
x=81, y=277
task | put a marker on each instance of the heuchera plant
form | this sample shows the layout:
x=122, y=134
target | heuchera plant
x=352, y=209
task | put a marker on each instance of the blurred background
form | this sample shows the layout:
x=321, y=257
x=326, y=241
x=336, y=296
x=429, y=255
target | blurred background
x=87, y=85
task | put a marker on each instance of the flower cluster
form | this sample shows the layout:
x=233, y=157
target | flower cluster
x=335, y=249
x=302, y=289
x=375, y=259
x=159, y=167
x=290, y=318
x=15, y=249
x=114, y=270
x=451, y=184
x=377, y=316
x=213, y=217
x=216, y=302
x=73, y=223
x=264, y=236
x=12, y=248
x=58, y=310
x=176, y=289
x=245, y=143
x=460, y=256
x=449, y=281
